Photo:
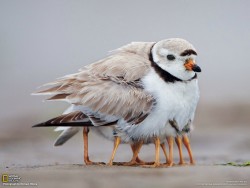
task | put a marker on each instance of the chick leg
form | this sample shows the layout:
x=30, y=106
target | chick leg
x=186, y=142
x=117, y=142
x=157, y=154
x=136, y=147
x=85, y=147
x=157, y=151
x=170, y=140
x=179, y=144
x=163, y=147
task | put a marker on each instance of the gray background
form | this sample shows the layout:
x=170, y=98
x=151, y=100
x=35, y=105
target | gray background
x=43, y=40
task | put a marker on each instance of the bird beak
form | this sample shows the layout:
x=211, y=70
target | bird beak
x=191, y=66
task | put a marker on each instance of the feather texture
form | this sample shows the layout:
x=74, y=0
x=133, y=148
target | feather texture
x=110, y=86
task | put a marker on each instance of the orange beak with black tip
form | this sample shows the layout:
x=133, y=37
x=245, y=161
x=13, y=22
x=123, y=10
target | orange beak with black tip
x=191, y=66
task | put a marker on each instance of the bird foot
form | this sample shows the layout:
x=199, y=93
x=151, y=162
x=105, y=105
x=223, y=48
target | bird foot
x=168, y=164
x=192, y=163
x=136, y=162
x=154, y=165
x=182, y=163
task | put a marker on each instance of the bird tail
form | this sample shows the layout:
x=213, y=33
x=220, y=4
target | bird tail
x=70, y=124
x=68, y=133
x=73, y=119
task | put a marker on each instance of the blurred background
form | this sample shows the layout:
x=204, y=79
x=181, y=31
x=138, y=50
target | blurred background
x=43, y=40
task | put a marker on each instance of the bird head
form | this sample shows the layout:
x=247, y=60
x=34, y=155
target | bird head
x=176, y=56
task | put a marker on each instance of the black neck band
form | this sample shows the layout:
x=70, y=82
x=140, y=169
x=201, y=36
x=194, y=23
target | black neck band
x=166, y=76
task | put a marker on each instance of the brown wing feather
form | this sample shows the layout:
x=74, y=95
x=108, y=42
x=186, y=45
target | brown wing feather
x=112, y=85
x=71, y=117
x=58, y=96
x=76, y=118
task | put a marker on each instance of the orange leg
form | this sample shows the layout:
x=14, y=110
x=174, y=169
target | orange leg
x=157, y=154
x=136, y=147
x=170, y=140
x=85, y=147
x=157, y=151
x=163, y=147
x=179, y=144
x=135, y=159
x=186, y=142
x=117, y=142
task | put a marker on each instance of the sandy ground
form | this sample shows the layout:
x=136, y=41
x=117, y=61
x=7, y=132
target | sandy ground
x=94, y=177
x=220, y=136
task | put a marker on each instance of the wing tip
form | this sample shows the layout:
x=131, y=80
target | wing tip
x=58, y=142
x=39, y=125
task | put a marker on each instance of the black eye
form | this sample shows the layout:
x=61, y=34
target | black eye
x=170, y=57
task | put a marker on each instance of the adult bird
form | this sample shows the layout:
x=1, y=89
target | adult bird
x=147, y=91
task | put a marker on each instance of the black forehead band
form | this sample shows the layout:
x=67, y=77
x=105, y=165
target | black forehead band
x=188, y=52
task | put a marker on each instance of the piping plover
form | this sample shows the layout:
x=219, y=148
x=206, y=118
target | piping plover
x=149, y=91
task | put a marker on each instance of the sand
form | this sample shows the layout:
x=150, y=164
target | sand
x=221, y=136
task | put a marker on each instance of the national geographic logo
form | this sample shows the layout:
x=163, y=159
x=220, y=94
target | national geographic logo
x=10, y=178
x=14, y=180
x=5, y=178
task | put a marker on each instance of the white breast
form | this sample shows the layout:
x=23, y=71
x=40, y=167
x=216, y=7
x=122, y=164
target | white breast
x=173, y=101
